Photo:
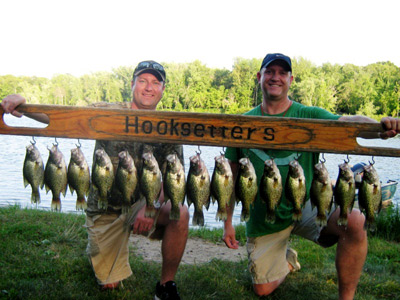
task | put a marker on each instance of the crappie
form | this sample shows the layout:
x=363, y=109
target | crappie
x=150, y=183
x=33, y=172
x=102, y=176
x=370, y=195
x=246, y=187
x=55, y=176
x=198, y=188
x=345, y=190
x=222, y=186
x=174, y=185
x=126, y=179
x=295, y=188
x=271, y=189
x=321, y=193
x=79, y=177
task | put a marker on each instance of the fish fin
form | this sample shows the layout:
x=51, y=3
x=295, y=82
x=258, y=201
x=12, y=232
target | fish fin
x=81, y=204
x=207, y=203
x=342, y=221
x=64, y=191
x=102, y=204
x=245, y=215
x=221, y=215
x=198, y=218
x=297, y=215
x=150, y=212
x=26, y=183
x=71, y=189
x=56, y=204
x=270, y=217
x=125, y=209
x=330, y=204
x=189, y=200
x=35, y=196
x=321, y=220
x=47, y=188
x=174, y=214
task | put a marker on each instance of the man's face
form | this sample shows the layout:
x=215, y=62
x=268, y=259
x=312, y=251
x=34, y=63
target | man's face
x=147, y=91
x=275, y=81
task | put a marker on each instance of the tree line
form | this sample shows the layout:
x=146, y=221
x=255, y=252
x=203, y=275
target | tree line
x=372, y=90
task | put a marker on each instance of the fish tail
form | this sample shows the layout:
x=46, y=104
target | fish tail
x=174, y=214
x=297, y=215
x=56, y=204
x=342, y=221
x=81, y=204
x=245, y=215
x=221, y=215
x=198, y=218
x=370, y=224
x=125, y=209
x=102, y=204
x=270, y=217
x=150, y=211
x=321, y=220
x=35, y=196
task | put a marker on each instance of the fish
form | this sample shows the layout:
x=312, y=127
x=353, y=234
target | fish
x=295, y=188
x=370, y=195
x=222, y=186
x=344, y=192
x=78, y=176
x=198, y=188
x=150, y=183
x=102, y=176
x=33, y=172
x=174, y=185
x=271, y=189
x=246, y=187
x=126, y=179
x=321, y=193
x=55, y=177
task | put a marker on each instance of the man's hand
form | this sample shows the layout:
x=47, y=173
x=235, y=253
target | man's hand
x=11, y=102
x=229, y=236
x=142, y=225
x=391, y=127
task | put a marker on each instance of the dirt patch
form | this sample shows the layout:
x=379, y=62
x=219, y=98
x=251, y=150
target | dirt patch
x=197, y=250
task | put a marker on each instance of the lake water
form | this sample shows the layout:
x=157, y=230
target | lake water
x=13, y=148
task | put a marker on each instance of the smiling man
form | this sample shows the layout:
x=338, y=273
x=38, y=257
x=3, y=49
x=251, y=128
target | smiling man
x=270, y=259
x=109, y=228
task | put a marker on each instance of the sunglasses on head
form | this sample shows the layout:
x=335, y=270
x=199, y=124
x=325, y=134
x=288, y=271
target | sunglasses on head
x=146, y=64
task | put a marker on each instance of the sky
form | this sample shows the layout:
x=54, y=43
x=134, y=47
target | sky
x=49, y=37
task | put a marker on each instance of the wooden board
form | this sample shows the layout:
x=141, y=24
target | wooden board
x=201, y=129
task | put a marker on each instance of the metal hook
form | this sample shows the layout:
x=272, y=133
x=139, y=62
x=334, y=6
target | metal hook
x=79, y=144
x=223, y=151
x=373, y=161
x=323, y=160
x=56, y=143
x=347, y=160
x=199, y=151
x=33, y=142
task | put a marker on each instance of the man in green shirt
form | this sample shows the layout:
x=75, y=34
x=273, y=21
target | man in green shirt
x=270, y=260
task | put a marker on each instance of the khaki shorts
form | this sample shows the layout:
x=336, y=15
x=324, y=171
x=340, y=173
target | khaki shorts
x=267, y=254
x=108, y=244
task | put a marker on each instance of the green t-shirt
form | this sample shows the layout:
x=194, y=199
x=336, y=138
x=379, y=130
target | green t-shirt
x=256, y=226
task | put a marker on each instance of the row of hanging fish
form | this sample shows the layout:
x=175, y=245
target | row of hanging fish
x=198, y=187
x=55, y=177
x=322, y=194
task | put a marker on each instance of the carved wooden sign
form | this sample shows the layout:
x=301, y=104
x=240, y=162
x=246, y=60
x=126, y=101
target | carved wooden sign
x=201, y=129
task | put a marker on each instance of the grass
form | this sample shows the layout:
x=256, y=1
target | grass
x=43, y=257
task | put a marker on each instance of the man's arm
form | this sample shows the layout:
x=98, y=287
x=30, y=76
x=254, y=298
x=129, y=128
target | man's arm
x=391, y=126
x=10, y=104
